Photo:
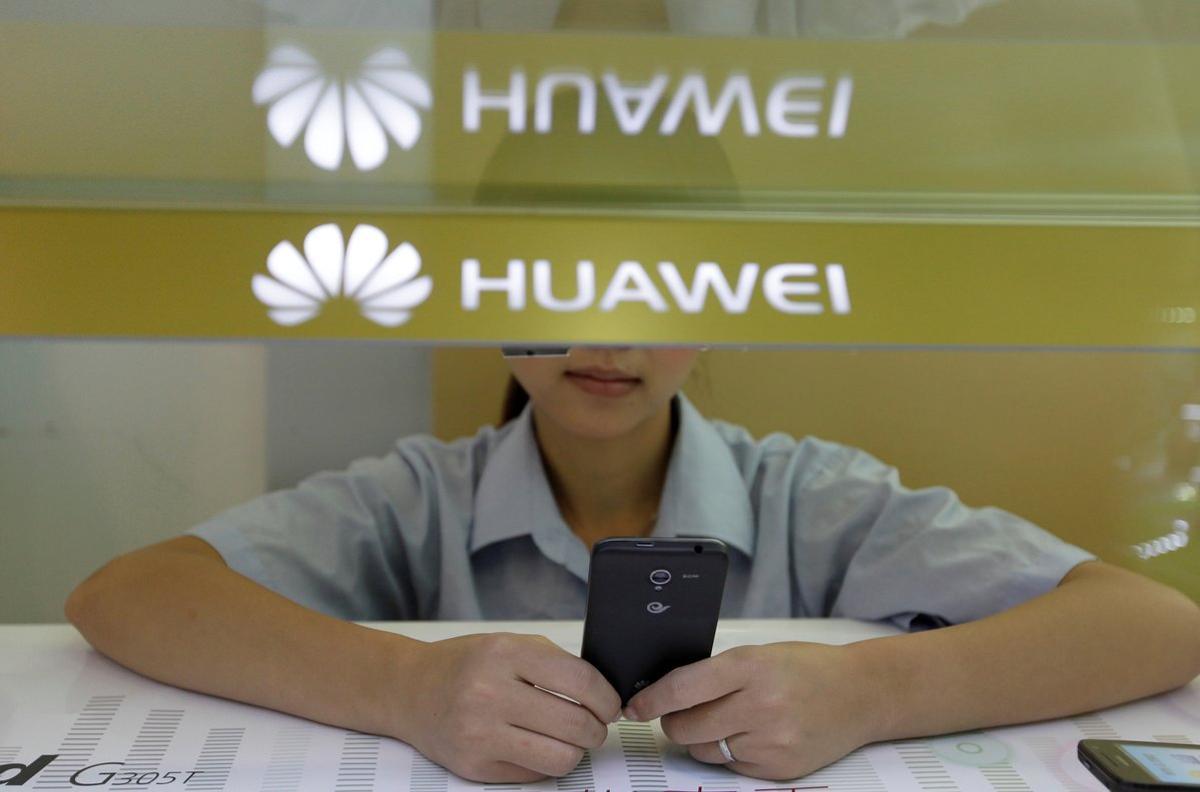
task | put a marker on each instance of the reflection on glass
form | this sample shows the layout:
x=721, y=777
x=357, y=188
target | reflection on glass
x=380, y=98
x=823, y=108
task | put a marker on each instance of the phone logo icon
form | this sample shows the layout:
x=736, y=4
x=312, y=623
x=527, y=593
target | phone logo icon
x=656, y=607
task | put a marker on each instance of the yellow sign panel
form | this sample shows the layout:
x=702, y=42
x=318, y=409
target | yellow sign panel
x=283, y=116
x=495, y=278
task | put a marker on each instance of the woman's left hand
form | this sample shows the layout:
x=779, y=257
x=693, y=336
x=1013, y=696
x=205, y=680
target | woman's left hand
x=784, y=709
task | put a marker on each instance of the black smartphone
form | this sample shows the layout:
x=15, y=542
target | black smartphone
x=652, y=606
x=1132, y=765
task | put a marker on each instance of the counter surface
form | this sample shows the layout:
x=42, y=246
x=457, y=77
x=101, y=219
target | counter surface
x=105, y=727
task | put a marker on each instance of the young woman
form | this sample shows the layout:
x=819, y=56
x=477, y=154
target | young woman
x=252, y=605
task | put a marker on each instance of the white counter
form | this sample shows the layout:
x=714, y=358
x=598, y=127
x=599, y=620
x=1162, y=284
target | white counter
x=60, y=698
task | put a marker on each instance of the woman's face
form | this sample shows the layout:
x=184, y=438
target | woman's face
x=604, y=392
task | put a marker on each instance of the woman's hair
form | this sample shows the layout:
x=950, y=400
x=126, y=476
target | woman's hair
x=515, y=399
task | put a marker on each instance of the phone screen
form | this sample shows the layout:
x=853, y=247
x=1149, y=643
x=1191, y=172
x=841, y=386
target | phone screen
x=1167, y=763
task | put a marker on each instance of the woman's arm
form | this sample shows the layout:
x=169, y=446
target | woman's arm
x=1102, y=637
x=176, y=613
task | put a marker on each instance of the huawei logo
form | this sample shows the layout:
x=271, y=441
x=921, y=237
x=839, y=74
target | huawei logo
x=359, y=111
x=384, y=285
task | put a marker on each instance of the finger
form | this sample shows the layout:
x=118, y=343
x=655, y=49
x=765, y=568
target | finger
x=685, y=687
x=500, y=773
x=757, y=771
x=710, y=752
x=538, y=753
x=709, y=721
x=546, y=713
x=558, y=671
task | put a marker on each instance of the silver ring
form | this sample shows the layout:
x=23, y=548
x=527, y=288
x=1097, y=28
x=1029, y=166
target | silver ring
x=724, y=746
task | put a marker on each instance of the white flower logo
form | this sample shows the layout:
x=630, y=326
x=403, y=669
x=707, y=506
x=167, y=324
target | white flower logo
x=335, y=112
x=386, y=289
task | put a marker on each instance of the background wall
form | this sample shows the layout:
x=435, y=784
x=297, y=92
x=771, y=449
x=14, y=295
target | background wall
x=105, y=447
x=328, y=404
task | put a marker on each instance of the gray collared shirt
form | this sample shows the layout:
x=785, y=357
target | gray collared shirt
x=471, y=530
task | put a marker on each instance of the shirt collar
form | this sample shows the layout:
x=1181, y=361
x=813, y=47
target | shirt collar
x=704, y=493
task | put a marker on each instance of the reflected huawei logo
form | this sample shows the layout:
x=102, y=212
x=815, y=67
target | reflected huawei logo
x=386, y=289
x=358, y=113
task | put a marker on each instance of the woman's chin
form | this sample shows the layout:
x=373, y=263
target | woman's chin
x=598, y=425
x=596, y=431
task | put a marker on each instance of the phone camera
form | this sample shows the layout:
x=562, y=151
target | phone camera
x=698, y=548
x=660, y=577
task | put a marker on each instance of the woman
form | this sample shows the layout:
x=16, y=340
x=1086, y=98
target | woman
x=250, y=606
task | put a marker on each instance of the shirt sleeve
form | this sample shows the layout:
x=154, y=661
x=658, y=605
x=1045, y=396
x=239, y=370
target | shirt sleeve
x=871, y=548
x=342, y=543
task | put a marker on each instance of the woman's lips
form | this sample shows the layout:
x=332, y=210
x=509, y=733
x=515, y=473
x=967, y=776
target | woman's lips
x=603, y=382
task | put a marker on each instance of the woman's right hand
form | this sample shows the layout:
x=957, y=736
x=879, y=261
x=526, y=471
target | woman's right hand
x=471, y=705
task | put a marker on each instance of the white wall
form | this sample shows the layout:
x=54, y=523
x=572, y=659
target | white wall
x=108, y=446
x=331, y=403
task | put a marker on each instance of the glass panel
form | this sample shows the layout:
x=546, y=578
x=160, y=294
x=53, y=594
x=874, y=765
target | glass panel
x=960, y=235
x=943, y=173
x=979, y=111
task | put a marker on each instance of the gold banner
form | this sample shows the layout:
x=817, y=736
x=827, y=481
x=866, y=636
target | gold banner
x=336, y=119
x=497, y=278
